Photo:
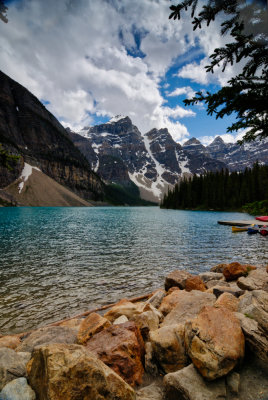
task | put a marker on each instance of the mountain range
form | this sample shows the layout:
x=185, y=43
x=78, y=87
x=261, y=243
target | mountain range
x=121, y=154
x=115, y=162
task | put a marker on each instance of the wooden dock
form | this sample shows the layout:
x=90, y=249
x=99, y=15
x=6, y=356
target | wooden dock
x=243, y=223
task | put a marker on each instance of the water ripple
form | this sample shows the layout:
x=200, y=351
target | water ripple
x=57, y=262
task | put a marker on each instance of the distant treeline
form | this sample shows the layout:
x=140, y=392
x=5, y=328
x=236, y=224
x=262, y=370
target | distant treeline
x=219, y=190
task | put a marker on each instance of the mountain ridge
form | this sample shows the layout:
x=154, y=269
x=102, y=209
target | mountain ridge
x=154, y=161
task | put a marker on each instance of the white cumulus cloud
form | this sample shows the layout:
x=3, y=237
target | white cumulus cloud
x=103, y=57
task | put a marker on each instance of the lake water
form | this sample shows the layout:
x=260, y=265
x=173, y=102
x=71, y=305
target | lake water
x=58, y=262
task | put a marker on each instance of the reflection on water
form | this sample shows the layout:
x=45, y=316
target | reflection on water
x=57, y=262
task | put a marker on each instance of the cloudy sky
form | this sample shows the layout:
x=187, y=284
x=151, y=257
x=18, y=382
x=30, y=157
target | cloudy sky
x=88, y=60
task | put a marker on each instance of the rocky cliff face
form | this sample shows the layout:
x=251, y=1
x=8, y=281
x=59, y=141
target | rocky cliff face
x=154, y=161
x=28, y=129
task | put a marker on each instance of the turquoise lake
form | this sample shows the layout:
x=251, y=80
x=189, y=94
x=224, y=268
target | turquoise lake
x=58, y=262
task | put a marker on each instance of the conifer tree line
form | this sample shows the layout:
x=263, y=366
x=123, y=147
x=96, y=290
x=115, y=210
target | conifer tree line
x=220, y=190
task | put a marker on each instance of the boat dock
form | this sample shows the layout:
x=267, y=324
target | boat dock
x=243, y=223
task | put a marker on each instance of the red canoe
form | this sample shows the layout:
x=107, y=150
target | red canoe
x=263, y=218
x=264, y=231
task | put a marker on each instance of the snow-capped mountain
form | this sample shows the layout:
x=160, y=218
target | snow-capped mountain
x=153, y=161
x=238, y=157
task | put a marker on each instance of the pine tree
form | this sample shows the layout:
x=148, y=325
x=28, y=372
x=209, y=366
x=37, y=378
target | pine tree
x=246, y=94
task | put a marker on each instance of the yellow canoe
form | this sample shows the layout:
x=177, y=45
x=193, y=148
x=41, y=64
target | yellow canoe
x=239, y=228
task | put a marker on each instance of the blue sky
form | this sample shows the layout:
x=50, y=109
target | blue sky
x=89, y=60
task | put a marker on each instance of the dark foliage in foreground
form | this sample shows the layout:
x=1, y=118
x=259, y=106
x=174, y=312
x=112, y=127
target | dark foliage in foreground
x=219, y=190
x=246, y=94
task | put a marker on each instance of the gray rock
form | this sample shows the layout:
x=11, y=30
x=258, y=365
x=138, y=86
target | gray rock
x=151, y=392
x=255, y=336
x=255, y=305
x=150, y=364
x=146, y=322
x=120, y=320
x=219, y=289
x=157, y=298
x=216, y=282
x=51, y=334
x=187, y=384
x=209, y=276
x=218, y=268
x=25, y=356
x=233, y=382
x=177, y=278
x=256, y=280
x=18, y=389
x=12, y=366
x=168, y=347
x=188, y=307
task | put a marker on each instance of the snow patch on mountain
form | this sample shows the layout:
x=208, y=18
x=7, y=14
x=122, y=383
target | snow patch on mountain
x=157, y=185
x=116, y=118
x=26, y=172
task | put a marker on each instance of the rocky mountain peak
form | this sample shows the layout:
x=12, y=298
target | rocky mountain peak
x=193, y=146
x=192, y=141
x=218, y=139
x=118, y=118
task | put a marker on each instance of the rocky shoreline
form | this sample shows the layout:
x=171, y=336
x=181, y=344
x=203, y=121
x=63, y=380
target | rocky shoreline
x=202, y=337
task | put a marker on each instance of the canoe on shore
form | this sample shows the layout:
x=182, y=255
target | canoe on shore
x=264, y=231
x=263, y=218
x=240, y=228
x=253, y=229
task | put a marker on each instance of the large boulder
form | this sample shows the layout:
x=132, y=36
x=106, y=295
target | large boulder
x=188, y=384
x=50, y=334
x=124, y=307
x=91, y=325
x=227, y=300
x=176, y=278
x=234, y=270
x=70, y=372
x=256, y=280
x=18, y=389
x=214, y=341
x=188, y=306
x=195, y=283
x=256, y=337
x=120, y=347
x=12, y=366
x=168, y=347
x=10, y=341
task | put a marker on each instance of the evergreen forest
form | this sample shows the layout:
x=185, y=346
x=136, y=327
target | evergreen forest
x=221, y=190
